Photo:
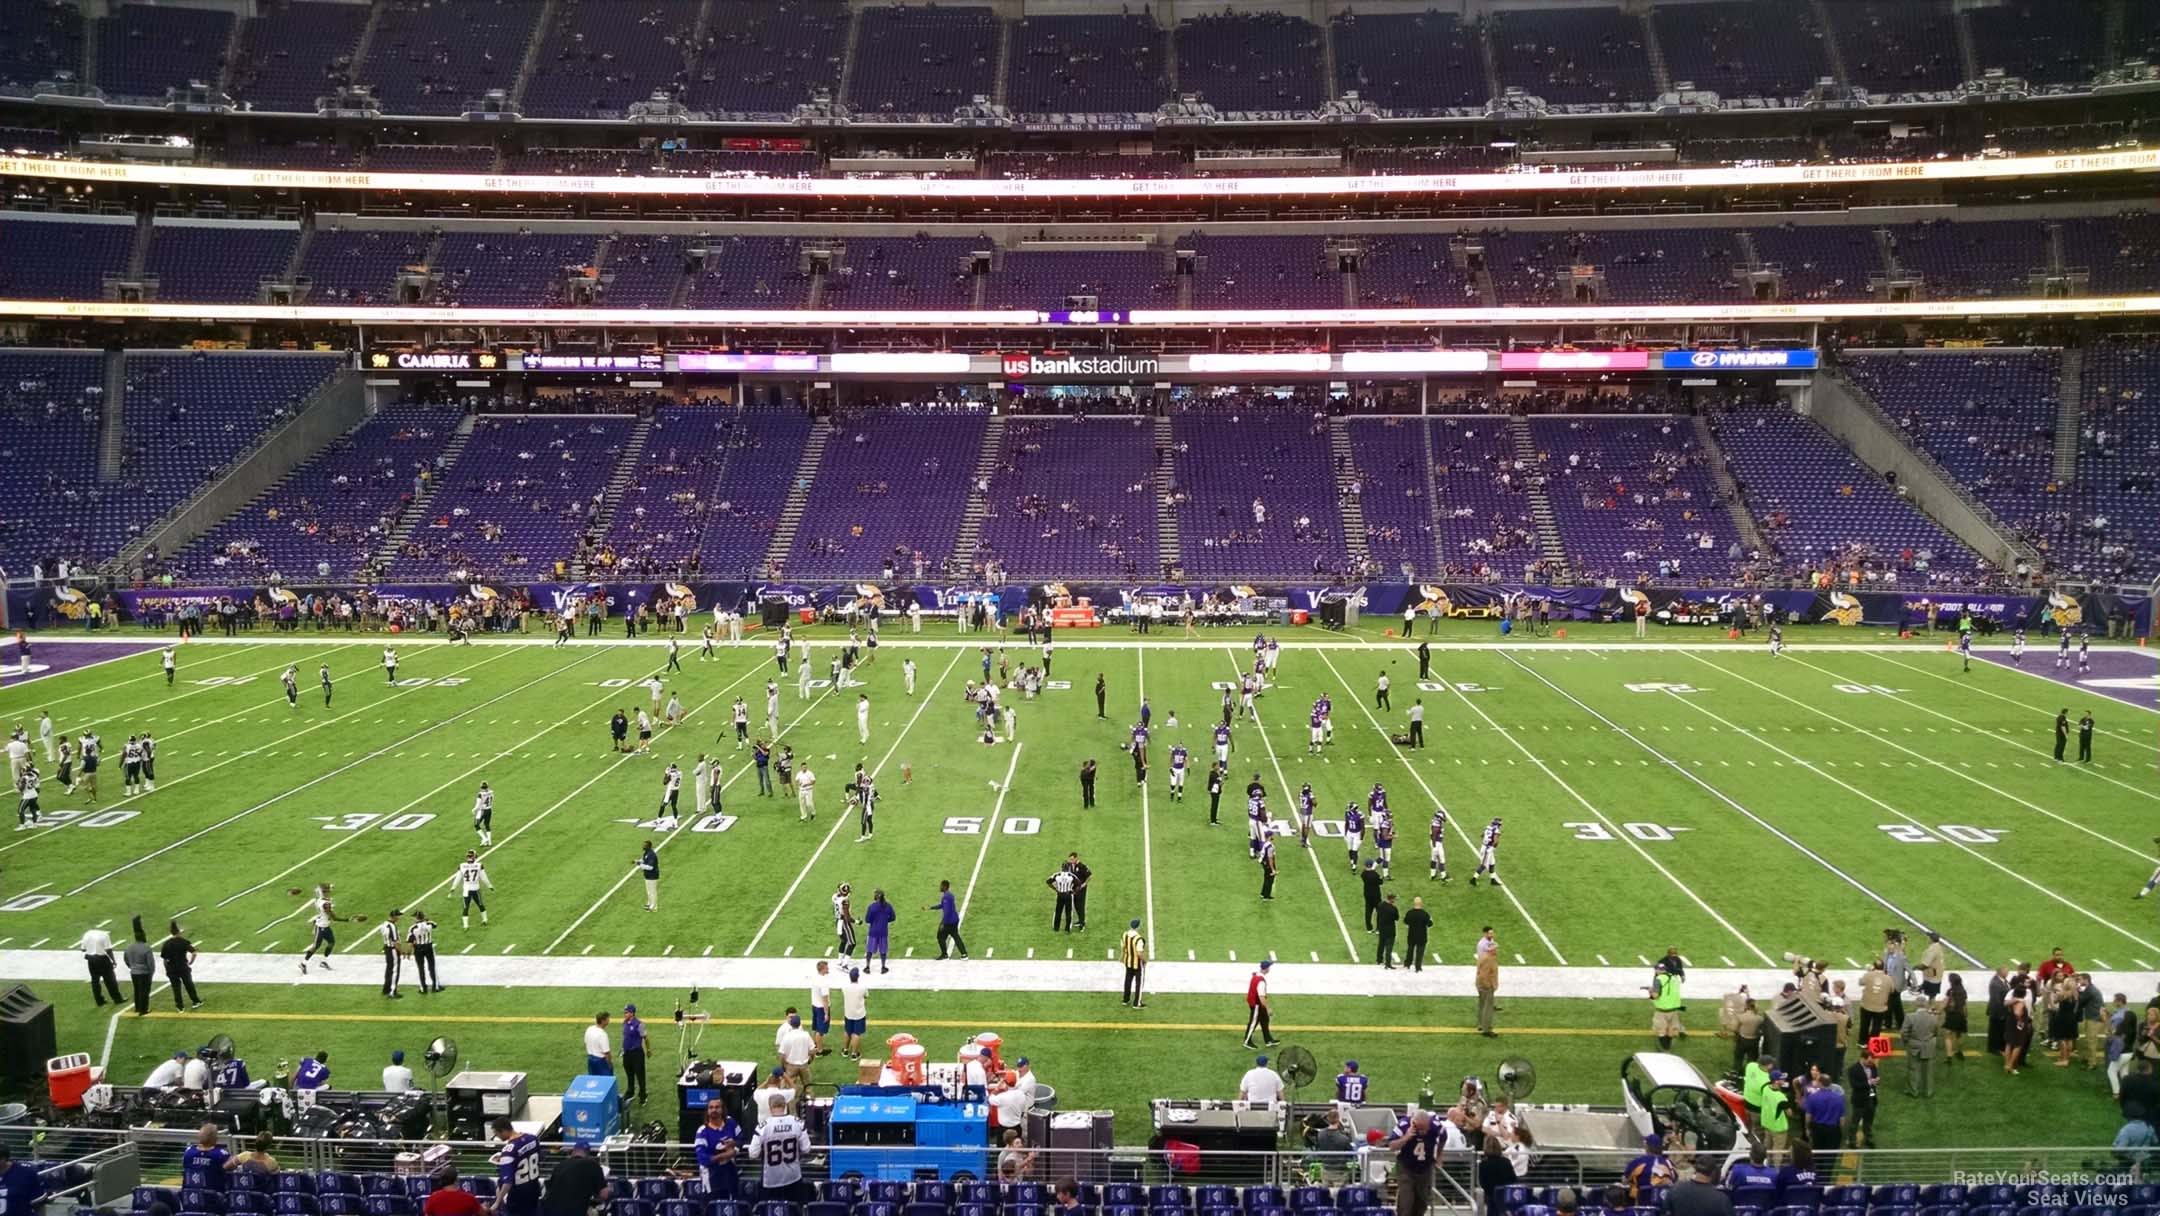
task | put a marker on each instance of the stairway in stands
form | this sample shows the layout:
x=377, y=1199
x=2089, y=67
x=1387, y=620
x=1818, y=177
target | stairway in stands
x=408, y=520
x=2069, y=413
x=1541, y=509
x=1743, y=520
x=798, y=499
x=1355, y=542
x=1166, y=529
x=619, y=482
x=978, y=506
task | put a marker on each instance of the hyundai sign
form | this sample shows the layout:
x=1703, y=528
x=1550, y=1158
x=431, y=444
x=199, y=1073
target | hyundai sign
x=1737, y=360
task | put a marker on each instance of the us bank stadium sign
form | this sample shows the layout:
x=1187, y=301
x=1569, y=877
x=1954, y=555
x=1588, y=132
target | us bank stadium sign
x=1025, y=364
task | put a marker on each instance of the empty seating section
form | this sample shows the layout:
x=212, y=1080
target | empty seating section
x=519, y=496
x=145, y=50
x=1988, y=419
x=1120, y=278
x=39, y=40
x=737, y=162
x=1730, y=48
x=926, y=60
x=600, y=56
x=431, y=158
x=1484, y=500
x=2119, y=464
x=32, y=139
x=219, y=264
x=61, y=259
x=305, y=154
x=904, y=272
x=1629, y=492
x=1073, y=498
x=1408, y=271
x=1087, y=64
x=428, y=58
x=1897, y=46
x=1392, y=491
x=769, y=55
x=1961, y=261
x=1232, y=453
x=1836, y=262
x=189, y=415
x=2141, y=32
x=1251, y=61
x=358, y=267
x=51, y=406
x=294, y=52
x=1821, y=508
x=893, y=482
x=711, y=483
x=337, y=508
x=1083, y=166
x=642, y=271
x=1572, y=56
x=1265, y=272
x=503, y=269
x=1409, y=61
x=748, y=272
x=2118, y=254
x=2044, y=41
x=1639, y=266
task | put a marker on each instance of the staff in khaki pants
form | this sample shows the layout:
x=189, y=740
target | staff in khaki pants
x=1488, y=982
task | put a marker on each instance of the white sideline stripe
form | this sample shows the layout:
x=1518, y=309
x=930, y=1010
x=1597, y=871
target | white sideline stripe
x=2036, y=808
x=1962, y=847
x=350, y=837
x=997, y=808
x=564, y=801
x=1625, y=837
x=840, y=820
x=282, y=794
x=1282, y=780
x=1470, y=842
x=1750, y=815
x=1002, y=976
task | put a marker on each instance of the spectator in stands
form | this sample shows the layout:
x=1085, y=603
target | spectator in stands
x=1699, y=1194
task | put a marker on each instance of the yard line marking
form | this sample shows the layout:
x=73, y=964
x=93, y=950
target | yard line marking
x=1611, y=826
x=2013, y=740
x=39, y=942
x=232, y=947
x=1927, y=759
x=272, y=800
x=1721, y=958
x=669, y=949
x=267, y=949
x=707, y=953
x=839, y=820
x=1600, y=959
x=507, y=949
x=1851, y=961
x=1959, y=845
x=2142, y=964
x=349, y=837
x=1750, y=815
x=468, y=948
x=997, y=808
x=1283, y=781
x=586, y=950
x=1315, y=955
x=565, y=800
x=1645, y=962
x=1147, y=841
x=627, y=949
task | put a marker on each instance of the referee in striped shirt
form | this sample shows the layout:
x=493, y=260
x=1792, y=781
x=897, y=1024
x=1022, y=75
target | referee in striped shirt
x=1132, y=951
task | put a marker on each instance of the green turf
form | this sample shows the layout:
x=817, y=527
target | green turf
x=1792, y=805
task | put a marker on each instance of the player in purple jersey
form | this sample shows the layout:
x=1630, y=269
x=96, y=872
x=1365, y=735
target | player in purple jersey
x=1139, y=751
x=1178, y=758
x=1439, y=845
x=1353, y=832
x=1307, y=805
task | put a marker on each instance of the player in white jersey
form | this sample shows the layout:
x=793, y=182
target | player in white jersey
x=1439, y=845
x=653, y=689
x=27, y=815
x=843, y=912
x=324, y=922
x=772, y=708
x=483, y=815
x=671, y=791
x=802, y=672
x=705, y=650
x=389, y=664
x=149, y=763
x=862, y=718
x=171, y=662
x=291, y=680
x=471, y=876
x=2062, y=649
x=1488, y=865
x=701, y=782
x=907, y=675
x=130, y=767
x=1777, y=640
x=2017, y=646
x=644, y=731
x=1964, y=645
x=674, y=709
x=322, y=673
x=2084, y=652
x=1248, y=688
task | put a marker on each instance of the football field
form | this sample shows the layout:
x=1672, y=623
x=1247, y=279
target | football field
x=1708, y=796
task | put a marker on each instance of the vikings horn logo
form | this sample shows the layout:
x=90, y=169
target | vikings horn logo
x=1844, y=609
x=869, y=596
x=2064, y=610
x=683, y=593
x=1433, y=599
